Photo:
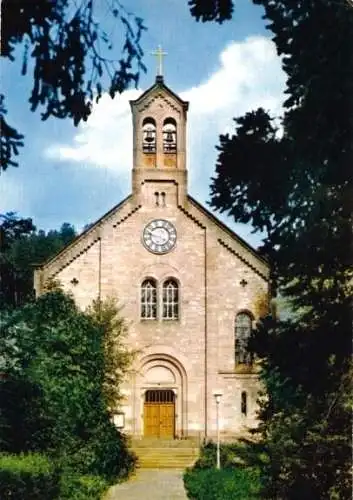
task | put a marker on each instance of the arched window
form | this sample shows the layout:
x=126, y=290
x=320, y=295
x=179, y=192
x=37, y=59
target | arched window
x=170, y=299
x=244, y=403
x=243, y=323
x=169, y=136
x=149, y=299
x=149, y=135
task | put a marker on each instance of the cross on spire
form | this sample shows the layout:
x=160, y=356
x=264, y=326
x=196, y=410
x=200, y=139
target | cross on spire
x=159, y=53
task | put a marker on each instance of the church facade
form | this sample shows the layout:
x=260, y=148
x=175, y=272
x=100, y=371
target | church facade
x=190, y=288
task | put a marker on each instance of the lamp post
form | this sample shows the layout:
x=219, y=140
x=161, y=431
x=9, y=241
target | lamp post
x=217, y=396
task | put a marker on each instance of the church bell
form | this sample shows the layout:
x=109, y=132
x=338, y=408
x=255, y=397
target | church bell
x=169, y=137
x=149, y=137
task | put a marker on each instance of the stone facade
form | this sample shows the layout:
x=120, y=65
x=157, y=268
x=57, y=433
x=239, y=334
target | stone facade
x=218, y=276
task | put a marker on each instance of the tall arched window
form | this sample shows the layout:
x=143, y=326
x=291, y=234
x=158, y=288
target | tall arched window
x=149, y=299
x=149, y=135
x=169, y=135
x=243, y=322
x=170, y=299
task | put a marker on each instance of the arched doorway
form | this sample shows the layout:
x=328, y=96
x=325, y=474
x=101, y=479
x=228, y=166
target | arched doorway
x=160, y=371
x=159, y=413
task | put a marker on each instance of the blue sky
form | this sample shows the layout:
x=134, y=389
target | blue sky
x=76, y=174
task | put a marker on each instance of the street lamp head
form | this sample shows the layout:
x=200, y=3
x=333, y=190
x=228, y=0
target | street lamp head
x=217, y=396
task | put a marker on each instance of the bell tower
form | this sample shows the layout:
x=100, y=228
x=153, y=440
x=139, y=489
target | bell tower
x=159, y=146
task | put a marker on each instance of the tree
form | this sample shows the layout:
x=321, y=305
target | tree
x=12, y=229
x=59, y=353
x=297, y=189
x=22, y=246
x=118, y=357
x=69, y=52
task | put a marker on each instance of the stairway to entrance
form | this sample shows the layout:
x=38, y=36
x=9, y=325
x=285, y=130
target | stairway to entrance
x=165, y=453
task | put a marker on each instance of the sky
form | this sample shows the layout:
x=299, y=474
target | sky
x=76, y=174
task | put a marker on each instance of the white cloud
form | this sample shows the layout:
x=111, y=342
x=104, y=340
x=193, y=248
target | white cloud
x=249, y=75
x=105, y=140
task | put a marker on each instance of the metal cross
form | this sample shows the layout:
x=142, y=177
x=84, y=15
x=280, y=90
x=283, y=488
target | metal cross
x=243, y=282
x=159, y=53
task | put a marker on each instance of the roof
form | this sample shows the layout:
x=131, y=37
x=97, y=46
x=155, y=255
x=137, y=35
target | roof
x=159, y=85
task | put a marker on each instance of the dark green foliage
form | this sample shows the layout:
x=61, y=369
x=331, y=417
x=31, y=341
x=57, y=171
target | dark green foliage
x=10, y=139
x=22, y=247
x=239, y=477
x=76, y=487
x=224, y=484
x=107, y=316
x=59, y=352
x=211, y=10
x=34, y=476
x=13, y=228
x=297, y=189
x=24, y=424
x=100, y=451
x=232, y=455
x=67, y=49
x=31, y=477
x=298, y=184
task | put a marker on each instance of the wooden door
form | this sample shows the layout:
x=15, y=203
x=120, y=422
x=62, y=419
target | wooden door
x=159, y=414
x=166, y=420
x=151, y=419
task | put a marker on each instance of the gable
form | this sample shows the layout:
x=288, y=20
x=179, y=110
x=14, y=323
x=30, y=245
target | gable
x=227, y=238
x=159, y=89
x=85, y=241
x=200, y=216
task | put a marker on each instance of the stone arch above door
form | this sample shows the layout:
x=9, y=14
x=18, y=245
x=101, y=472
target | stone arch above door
x=159, y=374
x=168, y=353
x=162, y=371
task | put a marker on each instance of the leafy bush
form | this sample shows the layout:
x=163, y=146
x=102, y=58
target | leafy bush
x=60, y=354
x=223, y=484
x=29, y=477
x=232, y=455
x=76, y=487
x=104, y=453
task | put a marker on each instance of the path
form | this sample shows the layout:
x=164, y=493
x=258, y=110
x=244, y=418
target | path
x=150, y=484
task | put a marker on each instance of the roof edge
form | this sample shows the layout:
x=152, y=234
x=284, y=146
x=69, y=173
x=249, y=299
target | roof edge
x=159, y=83
x=228, y=230
x=84, y=233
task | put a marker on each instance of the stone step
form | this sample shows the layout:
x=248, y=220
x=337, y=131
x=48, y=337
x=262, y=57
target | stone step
x=164, y=443
x=164, y=464
x=167, y=457
x=166, y=452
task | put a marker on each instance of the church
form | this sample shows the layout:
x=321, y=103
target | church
x=190, y=288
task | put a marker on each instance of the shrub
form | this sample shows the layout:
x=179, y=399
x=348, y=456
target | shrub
x=232, y=455
x=223, y=484
x=29, y=477
x=103, y=453
x=76, y=487
x=24, y=424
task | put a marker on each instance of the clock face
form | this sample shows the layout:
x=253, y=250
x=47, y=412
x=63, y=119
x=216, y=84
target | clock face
x=159, y=236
